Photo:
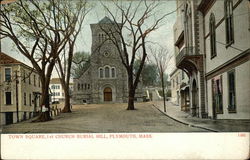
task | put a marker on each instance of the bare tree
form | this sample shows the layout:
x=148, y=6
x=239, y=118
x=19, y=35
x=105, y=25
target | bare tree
x=40, y=30
x=161, y=59
x=81, y=61
x=64, y=72
x=134, y=21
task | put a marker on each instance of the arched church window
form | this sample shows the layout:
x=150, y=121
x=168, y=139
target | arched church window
x=113, y=72
x=99, y=36
x=107, y=75
x=102, y=37
x=101, y=72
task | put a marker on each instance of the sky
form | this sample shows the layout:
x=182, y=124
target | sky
x=162, y=36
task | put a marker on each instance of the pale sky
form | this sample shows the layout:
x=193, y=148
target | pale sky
x=162, y=36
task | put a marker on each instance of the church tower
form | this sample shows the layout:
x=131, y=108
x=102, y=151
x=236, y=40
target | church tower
x=105, y=81
x=108, y=73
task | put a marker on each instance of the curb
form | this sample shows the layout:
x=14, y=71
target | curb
x=188, y=124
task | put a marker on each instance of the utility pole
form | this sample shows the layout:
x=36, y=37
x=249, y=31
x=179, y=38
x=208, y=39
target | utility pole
x=17, y=109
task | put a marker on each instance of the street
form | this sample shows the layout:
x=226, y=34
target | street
x=104, y=118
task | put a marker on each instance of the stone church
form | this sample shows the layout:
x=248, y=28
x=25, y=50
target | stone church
x=105, y=80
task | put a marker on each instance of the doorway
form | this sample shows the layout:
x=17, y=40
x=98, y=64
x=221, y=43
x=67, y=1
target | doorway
x=107, y=94
x=194, y=99
x=9, y=118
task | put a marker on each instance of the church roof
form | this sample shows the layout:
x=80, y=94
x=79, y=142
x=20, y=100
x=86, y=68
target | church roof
x=105, y=20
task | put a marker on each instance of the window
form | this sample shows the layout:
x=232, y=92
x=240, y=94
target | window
x=102, y=37
x=186, y=25
x=8, y=98
x=212, y=35
x=101, y=72
x=30, y=98
x=107, y=72
x=85, y=86
x=113, y=72
x=24, y=98
x=82, y=87
x=217, y=94
x=34, y=80
x=231, y=92
x=88, y=86
x=229, y=22
x=7, y=74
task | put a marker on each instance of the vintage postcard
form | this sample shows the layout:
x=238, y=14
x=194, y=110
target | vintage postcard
x=125, y=79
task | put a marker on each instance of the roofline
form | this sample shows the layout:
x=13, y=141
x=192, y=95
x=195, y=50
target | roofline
x=19, y=63
x=7, y=1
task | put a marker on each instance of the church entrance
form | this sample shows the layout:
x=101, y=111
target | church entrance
x=107, y=94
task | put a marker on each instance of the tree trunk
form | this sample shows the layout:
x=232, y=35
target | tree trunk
x=163, y=91
x=67, y=105
x=44, y=115
x=45, y=79
x=131, y=93
x=67, y=108
x=131, y=98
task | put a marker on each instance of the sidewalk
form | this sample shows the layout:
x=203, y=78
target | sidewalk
x=175, y=113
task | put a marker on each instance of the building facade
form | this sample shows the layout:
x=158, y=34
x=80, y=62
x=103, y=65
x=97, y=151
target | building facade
x=105, y=80
x=227, y=48
x=180, y=89
x=56, y=90
x=189, y=53
x=212, y=41
x=20, y=90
